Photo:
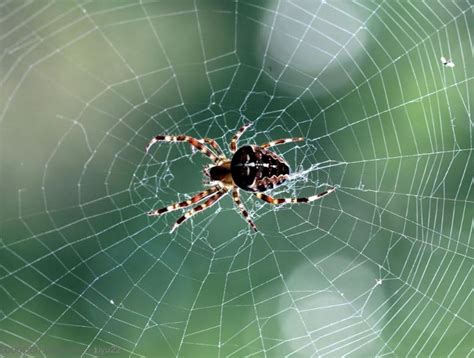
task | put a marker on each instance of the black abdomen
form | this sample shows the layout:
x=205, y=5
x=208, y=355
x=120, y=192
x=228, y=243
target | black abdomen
x=257, y=169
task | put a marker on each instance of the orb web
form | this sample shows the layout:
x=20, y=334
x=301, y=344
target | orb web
x=380, y=267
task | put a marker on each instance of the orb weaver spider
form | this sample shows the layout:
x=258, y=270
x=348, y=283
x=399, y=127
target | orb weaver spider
x=252, y=168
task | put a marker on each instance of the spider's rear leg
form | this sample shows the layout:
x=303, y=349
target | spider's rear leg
x=238, y=202
x=208, y=203
x=184, y=138
x=277, y=201
x=235, y=139
x=183, y=204
x=282, y=141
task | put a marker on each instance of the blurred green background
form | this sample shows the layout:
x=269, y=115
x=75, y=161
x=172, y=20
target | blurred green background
x=383, y=266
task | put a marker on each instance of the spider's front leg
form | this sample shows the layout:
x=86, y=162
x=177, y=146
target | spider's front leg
x=195, y=199
x=208, y=203
x=235, y=138
x=281, y=141
x=276, y=201
x=184, y=138
x=214, y=145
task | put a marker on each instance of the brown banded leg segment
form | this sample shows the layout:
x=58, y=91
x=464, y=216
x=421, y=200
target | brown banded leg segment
x=245, y=214
x=183, y=138
x=213, y=144
x=281, y=141
x=235, y=139
x=278, y=201
x=208, y=203
x=195, y=199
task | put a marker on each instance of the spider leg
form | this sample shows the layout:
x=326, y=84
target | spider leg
x=208, y=203
x=195, y=199
x=184, y=138
x=281, y=141
x=245, y=214
x=235, y=138
x=213, y=144
x=277, y=201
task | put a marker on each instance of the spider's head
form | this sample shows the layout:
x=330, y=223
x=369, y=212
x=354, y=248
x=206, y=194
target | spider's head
x=215, y=174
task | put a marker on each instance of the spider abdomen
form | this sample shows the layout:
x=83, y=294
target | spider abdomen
x=258, y=169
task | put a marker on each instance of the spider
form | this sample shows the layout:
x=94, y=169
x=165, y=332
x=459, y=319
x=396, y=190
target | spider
x=252, y=168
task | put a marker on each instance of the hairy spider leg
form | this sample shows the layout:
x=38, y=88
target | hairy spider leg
x=277, y=201
x=208, y=203
x=214, y=145
x=281, y=141
x=184, y=138
x=235, y=139
x=240, y=205
x=183, y=204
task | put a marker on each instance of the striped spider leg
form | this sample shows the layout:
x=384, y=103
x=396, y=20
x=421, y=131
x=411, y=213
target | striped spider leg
x=235, y=138
x=183, y=204
x=214, y=145
x=196, y=143
x=277, y=201
x=240, y=205
x=281, y=141
x=207, y=204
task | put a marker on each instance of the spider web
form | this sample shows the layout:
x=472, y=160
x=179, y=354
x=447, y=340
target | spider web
x=383, y=266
